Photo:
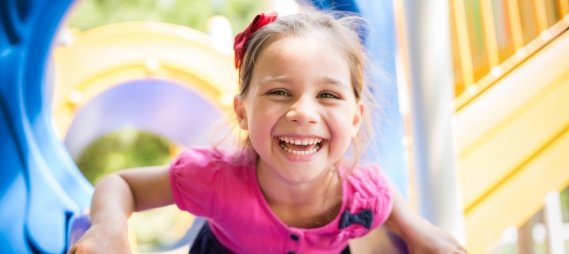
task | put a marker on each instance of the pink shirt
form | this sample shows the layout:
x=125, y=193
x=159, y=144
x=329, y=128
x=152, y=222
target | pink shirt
x=207, y=183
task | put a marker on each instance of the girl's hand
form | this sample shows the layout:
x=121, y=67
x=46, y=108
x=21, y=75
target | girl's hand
x=424, y=237
x=102, y=239
x=420, y=235
x=116, y=197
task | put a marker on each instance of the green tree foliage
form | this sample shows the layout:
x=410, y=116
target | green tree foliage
x=120, y=150
x=88, y=14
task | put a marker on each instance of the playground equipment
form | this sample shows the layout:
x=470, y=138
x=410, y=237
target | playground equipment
x=150, y=77
x=512, y=144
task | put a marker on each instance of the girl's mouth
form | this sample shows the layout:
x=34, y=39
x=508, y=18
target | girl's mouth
x=301, y=146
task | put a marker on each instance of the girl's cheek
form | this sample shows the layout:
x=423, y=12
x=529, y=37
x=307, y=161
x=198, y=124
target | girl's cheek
x=268, y=113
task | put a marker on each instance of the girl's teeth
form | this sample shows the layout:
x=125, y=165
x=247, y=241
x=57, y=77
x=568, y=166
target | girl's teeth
x=304, y=142
x=309, y=152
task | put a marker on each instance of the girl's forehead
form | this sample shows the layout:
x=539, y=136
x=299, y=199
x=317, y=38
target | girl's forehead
x=300, y=60
x=293, y=42
x=298, y=53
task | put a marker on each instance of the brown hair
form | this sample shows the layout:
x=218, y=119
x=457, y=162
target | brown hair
x=340, y=29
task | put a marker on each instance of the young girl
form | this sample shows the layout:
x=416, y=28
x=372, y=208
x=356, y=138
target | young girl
x=302, y=102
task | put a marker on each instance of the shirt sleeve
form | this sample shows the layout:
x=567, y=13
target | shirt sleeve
x=195, y=177
x=371, y=191
x=385, y=197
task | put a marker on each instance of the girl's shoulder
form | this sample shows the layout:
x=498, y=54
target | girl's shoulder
x=209, y=157
x=201, y=176
x=365, y=177
x=365, y=187
x=208, y=165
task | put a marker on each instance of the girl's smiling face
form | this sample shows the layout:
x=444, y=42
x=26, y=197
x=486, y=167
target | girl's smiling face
x=300, y=109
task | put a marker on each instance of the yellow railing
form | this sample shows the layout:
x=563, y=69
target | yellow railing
x=491, y=37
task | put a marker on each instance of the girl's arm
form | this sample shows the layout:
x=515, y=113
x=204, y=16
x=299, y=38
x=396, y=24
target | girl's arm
x=420, y=235
x=116, y=197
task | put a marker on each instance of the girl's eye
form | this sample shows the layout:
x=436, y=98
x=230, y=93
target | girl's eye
x=328, y=96
x=278, y=92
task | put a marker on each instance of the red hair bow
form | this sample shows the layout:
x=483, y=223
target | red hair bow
x=259, y=21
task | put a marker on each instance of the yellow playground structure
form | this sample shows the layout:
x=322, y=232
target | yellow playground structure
x=138, y=50
x=511, y=125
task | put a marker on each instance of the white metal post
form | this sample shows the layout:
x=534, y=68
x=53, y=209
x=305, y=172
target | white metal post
x=554, y=223
x=426, y=52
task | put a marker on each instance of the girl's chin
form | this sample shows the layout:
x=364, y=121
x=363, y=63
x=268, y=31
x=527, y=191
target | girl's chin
x=299, y=177
x=295, y=172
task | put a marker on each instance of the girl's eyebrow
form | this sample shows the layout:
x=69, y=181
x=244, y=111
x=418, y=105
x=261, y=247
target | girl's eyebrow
x=268, y=79
x=333, y=81
x=284, y=79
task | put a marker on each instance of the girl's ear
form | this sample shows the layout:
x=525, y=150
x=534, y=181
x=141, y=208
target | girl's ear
x=239, y=109
x=358, y=117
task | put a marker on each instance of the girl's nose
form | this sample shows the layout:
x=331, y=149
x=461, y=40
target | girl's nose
x=303, y=111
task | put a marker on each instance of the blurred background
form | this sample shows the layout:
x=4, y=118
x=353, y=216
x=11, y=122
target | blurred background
x=132, y=83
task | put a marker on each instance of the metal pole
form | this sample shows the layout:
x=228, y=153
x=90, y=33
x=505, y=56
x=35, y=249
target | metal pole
x=428, y=70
